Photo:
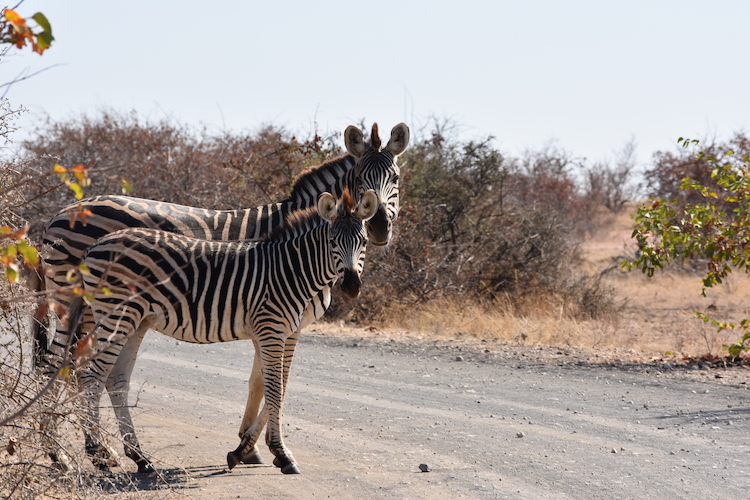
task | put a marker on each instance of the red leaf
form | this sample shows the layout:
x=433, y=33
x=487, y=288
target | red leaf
x=84, y=349
x=41, y=312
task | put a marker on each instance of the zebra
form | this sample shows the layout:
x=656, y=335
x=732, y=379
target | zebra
x=207, y=291
x=365, y=167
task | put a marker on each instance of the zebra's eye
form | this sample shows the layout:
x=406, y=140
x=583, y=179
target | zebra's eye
x=396, y=177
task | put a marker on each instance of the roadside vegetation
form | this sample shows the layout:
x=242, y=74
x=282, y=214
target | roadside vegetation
x=524, y=249
x=488, y=244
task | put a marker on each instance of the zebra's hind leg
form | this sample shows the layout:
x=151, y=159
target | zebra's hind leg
x=111, y=342
x=118, y=386
x=100, y=456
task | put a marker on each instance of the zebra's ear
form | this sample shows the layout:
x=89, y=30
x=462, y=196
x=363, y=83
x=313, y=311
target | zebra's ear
x=368, y=205
x=399, y=139
x=327, y=206
x=354, y=141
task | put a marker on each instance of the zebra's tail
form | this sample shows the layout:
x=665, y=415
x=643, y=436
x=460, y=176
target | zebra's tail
x=40, y=319
x=75, y=315
x=62, y=353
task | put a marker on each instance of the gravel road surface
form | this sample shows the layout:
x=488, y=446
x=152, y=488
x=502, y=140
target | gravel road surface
x=485, y=420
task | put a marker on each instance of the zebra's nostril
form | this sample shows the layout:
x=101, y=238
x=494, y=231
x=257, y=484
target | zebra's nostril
x=351, y=284
x=379, y=227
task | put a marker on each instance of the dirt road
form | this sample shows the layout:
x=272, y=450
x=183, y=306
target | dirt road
x=491, y=421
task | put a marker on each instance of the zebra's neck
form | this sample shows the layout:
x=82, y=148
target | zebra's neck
x=309, y=256
x=331, y=176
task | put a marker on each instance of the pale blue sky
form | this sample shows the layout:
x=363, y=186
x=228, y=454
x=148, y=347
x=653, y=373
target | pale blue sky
x=588, y=74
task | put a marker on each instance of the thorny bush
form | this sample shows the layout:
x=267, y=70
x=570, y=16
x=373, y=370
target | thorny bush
x=473, y=222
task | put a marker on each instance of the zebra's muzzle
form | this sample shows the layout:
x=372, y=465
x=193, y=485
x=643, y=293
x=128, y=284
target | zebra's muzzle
x=379, y=227
x=351, y=283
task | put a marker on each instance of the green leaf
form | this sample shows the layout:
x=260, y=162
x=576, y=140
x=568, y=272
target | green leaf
x=11, y=274
x=43, y=23
x=127, y=188
x=29, y=253
x=44, y=40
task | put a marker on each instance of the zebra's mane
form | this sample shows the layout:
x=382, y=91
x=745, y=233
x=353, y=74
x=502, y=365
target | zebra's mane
x=306, y=180
x=306, y=219
x=347, y=203
x=295, y=224
x=375, y=138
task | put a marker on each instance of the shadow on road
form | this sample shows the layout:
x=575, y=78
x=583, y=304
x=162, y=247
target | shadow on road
x=175, y=478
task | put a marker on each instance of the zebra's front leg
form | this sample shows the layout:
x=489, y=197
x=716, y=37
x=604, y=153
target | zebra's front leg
x=314, y=310
x=251, y=455
x=248, y=442
x=272, y=347
x=272, y=355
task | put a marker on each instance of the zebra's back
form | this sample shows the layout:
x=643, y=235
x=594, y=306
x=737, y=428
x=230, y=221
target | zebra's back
x=76, y=228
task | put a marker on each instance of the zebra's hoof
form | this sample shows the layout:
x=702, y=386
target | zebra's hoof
x=146, y=468
x=290, y=469
x=253, y=458
x=232, y=460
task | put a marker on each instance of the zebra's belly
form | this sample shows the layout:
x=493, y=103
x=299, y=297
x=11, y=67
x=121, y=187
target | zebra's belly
x=198, y=330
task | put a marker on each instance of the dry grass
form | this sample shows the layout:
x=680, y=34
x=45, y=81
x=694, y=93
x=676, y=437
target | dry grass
x=656, y=317
x=26, y=470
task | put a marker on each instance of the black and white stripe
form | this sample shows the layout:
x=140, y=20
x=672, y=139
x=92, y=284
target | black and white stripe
x=206, y=291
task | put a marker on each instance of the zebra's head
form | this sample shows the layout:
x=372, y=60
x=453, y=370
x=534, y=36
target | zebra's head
x=348, y=236
x=377, y=170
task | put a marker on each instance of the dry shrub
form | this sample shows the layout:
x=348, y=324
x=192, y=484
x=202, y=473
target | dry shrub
x=478, y=226
x=166, y=161
x=611, y=184
x=27, y=433
x=26, y=470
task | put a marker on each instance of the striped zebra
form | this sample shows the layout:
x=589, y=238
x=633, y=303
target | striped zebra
x=365, y=167
x=205, y=291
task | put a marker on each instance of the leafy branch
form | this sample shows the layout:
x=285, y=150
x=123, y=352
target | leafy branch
x=715, y=229
x=15, y=30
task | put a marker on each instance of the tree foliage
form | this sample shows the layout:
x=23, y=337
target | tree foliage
x=16, y=30
x=710, y=219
